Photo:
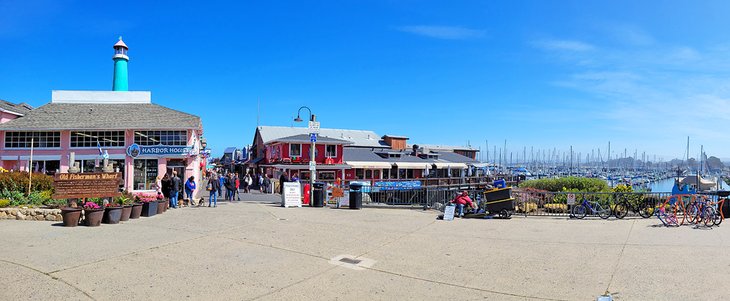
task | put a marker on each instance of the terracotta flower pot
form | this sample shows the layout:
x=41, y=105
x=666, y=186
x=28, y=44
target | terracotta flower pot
x=161, y=206
x=93, y=217
x=126, y=213
x=71, y=216
x=112, y=215
x=149, y=208
x=136, y=211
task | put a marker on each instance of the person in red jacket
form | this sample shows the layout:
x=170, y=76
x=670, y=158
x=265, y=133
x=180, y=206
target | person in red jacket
x=461, y=200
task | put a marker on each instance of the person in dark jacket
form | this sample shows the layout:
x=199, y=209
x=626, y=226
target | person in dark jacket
x=230, y=187
x=282, y=179
x=215, y=185
x=166, y=186
x=175, y=188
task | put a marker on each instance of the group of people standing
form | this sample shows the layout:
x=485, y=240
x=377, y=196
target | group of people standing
x=171, y=187
x=232, y=184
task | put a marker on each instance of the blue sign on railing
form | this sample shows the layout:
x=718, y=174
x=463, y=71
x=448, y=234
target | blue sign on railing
x=399, y=185
x=136, y=150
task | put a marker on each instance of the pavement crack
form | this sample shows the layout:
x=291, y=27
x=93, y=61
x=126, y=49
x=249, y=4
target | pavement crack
x=50, y=276
x=620, y=255
x=461, y=286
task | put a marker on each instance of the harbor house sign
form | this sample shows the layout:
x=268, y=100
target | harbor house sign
x=136, y=150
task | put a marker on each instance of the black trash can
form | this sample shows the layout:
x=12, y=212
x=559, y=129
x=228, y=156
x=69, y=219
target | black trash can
x=318, y=195
x=726, y=208
x=355, y=195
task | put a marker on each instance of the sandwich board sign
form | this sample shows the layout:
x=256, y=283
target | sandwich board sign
x=449, y=213
x=292, y=196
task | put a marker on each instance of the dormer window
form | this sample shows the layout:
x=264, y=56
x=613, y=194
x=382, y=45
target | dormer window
x=295, y=150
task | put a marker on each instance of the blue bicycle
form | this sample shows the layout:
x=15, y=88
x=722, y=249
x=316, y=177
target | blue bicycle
x=580, y=211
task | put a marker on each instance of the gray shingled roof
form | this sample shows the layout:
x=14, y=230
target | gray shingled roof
x=357, y=137
x=304, y=138
x=21, y=108
x=456, y=158
x=67, y=116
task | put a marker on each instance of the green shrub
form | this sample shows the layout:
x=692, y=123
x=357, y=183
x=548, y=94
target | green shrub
x=4, y=203
x=567, y=184
x=18, y=181
x=15, y=197
x=55, y=203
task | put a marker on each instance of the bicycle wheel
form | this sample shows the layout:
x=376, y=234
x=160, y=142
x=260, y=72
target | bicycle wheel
x=708, y=217
x=621, y=209
x=604, y=211
x=692, y=214
x=647, y=209
x=579, y=211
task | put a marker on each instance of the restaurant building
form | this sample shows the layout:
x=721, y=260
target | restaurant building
x=355, y=155
x=140, y=139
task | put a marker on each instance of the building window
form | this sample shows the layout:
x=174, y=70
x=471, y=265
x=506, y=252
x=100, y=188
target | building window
x=145, y=174
x=97, y=138
x=39, y=139
x=359, y=173
x=386, y=174
x=368, y=174
x=326, y=176
x=47, y=167
x=330, y=151
x=295, y=150
x=174, y=138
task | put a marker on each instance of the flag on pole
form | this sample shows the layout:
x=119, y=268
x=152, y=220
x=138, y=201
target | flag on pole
x=98, y=145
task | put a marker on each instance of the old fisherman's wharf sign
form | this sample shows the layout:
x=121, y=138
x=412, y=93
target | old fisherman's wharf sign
x=86, y=185
x=135, y=150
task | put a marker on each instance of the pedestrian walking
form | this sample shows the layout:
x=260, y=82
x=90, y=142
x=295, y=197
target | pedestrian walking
x=230, y=187
x=248, y=181
x=260, y=180
x=189, y=189
x=267, y=184
x=238, y=185
x=282, y=179
x=214, y=186
x=221, y=181
x=175, y=188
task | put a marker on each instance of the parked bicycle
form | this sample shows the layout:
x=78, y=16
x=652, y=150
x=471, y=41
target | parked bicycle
x=580, y=211
x=643, y=207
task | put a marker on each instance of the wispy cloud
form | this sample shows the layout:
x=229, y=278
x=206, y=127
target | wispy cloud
x=647, y=93
x=443, y=32
x=563, y=45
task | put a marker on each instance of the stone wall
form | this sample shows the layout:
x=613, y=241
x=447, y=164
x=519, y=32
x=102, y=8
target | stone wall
x=31, y=214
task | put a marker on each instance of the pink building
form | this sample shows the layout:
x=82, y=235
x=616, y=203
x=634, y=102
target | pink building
x=142, y=140
x=10, y=111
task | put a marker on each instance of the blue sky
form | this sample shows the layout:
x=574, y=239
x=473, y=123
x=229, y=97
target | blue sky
x=540, y=74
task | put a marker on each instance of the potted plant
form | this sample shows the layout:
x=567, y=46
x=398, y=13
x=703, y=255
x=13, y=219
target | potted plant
x=136, y=206
x=112, y=213
x=149, y=204
x=71, y=215
x=161, y=204
x=93, y=213
x=127, y=206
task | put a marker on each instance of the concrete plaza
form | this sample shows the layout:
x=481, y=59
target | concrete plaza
x=255, y=250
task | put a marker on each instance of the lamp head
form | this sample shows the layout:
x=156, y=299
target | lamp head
x=298, y=119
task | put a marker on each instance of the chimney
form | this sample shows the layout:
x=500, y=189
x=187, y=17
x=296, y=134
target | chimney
x=395, y=142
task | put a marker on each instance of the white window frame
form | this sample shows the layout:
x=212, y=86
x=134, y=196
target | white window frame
x=290, y=150
x=325, y=151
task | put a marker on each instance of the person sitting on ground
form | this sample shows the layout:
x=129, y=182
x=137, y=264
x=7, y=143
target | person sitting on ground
x=461, y=200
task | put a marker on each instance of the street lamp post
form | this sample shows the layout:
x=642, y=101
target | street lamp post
x=313, y=126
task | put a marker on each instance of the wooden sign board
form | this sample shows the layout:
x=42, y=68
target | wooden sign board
x=449, y=213
x=292, y=196
x=86, y=185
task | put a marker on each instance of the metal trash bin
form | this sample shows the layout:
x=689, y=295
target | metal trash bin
x=355, y=195
x=318, y=195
